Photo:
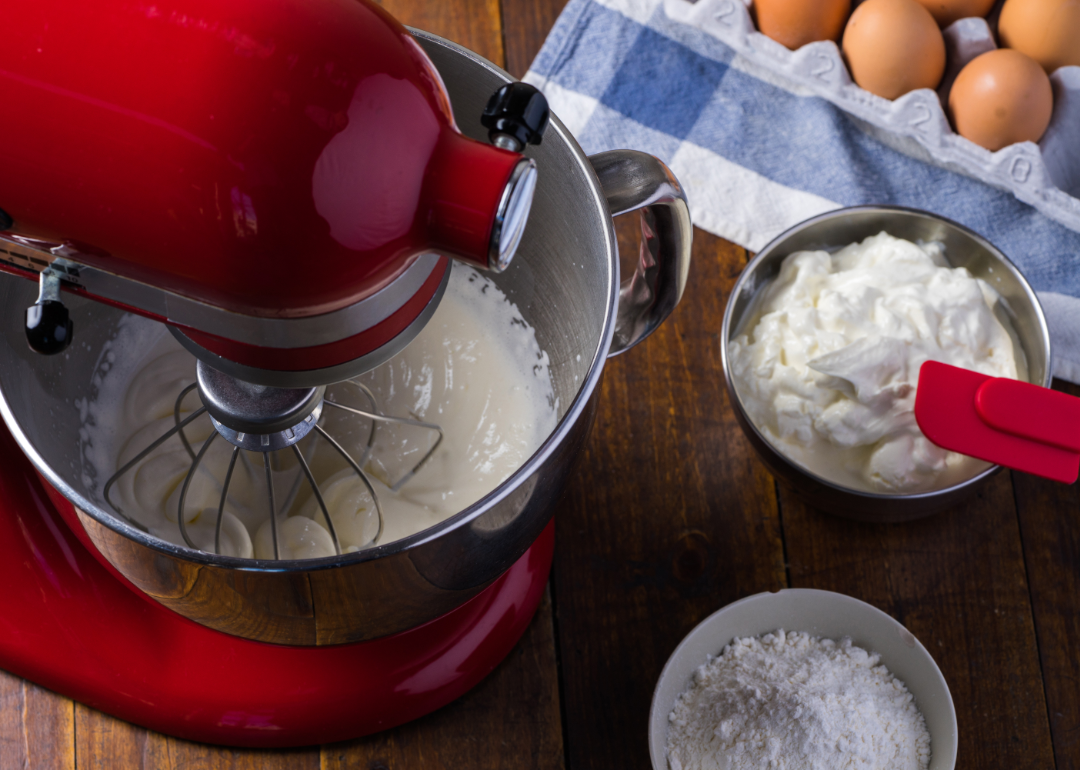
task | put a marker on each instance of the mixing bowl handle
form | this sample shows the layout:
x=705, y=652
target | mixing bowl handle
x=631, y=181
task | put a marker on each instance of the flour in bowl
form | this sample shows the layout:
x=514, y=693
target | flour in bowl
x=789, y=700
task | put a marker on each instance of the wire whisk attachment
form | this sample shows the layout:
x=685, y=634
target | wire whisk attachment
x=271, y=446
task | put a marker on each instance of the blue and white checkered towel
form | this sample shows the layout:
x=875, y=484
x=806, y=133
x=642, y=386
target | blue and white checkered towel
x=758, y=155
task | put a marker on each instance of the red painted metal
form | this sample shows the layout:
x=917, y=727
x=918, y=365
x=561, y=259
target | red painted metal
x=320, y=356
x=279, y=158
x=71, y=626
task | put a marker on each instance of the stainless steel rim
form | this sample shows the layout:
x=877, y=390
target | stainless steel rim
x=305, y=378
x=250, y=329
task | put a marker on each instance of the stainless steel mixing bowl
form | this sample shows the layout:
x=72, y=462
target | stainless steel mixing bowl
x=565, y=280
x=831, y=231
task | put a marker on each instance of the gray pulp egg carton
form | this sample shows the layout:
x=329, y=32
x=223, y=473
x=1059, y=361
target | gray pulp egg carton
x=1045, y=175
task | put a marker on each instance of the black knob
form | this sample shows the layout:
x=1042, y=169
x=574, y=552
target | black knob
x=6, y=222
x=48, y=327
x=519, y=111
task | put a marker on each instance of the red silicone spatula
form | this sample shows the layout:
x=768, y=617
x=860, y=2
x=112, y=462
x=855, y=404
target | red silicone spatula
x=1003, y=421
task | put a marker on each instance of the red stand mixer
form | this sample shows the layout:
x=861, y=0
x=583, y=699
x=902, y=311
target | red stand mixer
x=272, y=181
x=283, y=184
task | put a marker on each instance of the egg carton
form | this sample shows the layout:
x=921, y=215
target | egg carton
x=1045, y=175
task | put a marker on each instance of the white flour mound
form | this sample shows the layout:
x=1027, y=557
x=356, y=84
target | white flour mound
x=790, y=700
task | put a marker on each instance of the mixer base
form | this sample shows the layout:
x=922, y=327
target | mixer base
x=69, y=625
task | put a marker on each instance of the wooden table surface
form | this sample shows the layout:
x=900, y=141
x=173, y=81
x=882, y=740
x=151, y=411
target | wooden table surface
x=669, y=517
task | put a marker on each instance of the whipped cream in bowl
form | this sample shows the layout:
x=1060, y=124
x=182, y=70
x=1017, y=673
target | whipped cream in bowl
x=822, y=342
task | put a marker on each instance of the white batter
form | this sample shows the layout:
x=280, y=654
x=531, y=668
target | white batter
x=476, y=370
x=828, y=365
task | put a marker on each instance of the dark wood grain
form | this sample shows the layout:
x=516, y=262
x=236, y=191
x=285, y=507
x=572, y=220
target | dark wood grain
x=37, y=727
x=510, y=720
x=957, y=581
x=102, y=743
x=1050, y=529
x=106, y=743
x=668, y=518
x=183, y=755
x=525, y=25
x=475, y=24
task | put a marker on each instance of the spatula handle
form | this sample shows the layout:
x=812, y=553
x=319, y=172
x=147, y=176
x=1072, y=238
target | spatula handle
x=1028, y=411
x=945, y=408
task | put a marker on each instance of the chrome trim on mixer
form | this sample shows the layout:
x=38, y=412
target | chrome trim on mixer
x=512, y=215
x=248, y=329
x=307, y=378
x=18, y=252
x=312, y=330
x=257, y=409
x=637, y=181
x=506, y=142
x=48, y=286
x=268, y=442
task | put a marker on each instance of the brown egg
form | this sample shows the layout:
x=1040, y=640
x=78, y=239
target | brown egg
x=1046, y=30
x=893, y=46
x=1001, y=97
x=945, y=12
x=794, y=23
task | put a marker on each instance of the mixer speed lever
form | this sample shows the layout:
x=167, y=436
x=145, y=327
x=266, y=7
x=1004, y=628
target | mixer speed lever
x=48, y=324
x=516, y=115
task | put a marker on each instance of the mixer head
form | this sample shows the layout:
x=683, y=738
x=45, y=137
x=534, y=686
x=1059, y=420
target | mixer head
x=286, y=196
x=287, y=204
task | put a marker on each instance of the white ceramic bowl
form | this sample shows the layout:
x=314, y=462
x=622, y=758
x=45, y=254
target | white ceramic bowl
x=820, y=613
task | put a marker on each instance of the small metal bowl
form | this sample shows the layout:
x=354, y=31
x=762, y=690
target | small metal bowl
x=830, y=232
x=819, y=613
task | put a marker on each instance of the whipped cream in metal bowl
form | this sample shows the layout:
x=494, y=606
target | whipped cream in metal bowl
x=826, y=363
x=476, y=370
